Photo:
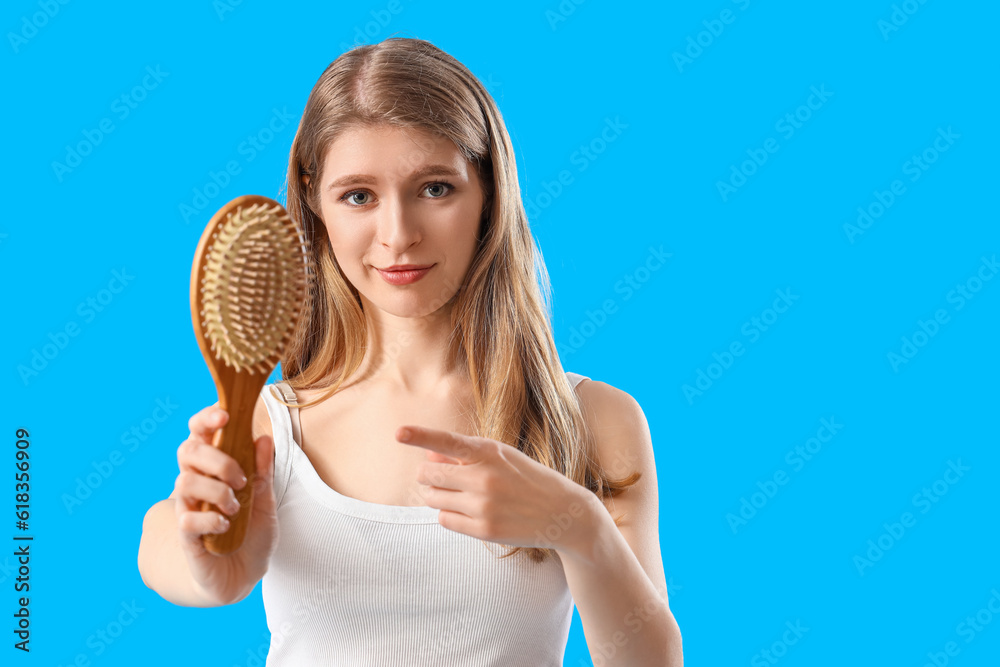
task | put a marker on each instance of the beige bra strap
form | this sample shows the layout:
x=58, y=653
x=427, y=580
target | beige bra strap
x=289, y=395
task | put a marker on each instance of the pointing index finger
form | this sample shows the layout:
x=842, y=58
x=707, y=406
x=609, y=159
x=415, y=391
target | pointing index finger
x=447, y=443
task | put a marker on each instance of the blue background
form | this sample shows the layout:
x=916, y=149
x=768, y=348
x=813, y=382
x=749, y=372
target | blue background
x=558, y=79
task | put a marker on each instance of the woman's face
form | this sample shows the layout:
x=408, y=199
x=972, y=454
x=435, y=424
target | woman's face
x=393, y=196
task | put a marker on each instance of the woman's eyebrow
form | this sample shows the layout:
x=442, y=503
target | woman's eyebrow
x=429, y=170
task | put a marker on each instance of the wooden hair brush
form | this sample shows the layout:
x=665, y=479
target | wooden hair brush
x=249, y=286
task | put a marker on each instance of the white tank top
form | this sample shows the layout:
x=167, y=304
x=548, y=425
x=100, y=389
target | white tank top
x=358, y=583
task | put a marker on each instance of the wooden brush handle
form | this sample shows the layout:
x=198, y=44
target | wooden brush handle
x=237, y=396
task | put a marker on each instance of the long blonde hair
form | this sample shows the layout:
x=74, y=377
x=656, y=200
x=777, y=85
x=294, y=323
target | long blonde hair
x=501, y=312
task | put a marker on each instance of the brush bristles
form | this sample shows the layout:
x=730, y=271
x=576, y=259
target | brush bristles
x=254, y=281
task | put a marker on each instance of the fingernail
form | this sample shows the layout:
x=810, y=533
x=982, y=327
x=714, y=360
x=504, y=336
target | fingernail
x=404, y=434
x=224, y=522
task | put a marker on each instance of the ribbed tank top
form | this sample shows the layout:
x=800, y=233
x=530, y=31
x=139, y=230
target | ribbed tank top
x=358, y=583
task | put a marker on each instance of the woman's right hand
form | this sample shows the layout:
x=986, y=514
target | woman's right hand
x=209, y=474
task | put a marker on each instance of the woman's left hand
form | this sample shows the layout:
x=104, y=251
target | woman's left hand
x=492, y=491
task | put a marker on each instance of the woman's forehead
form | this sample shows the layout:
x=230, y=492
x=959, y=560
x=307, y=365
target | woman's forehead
x=393, y=153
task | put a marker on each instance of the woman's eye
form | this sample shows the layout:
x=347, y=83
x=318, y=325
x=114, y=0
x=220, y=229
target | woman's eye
x=444, y=188
x=437, y=191
x=351, y=197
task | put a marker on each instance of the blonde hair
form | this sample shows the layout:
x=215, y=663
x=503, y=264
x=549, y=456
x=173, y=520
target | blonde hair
x=501, y=314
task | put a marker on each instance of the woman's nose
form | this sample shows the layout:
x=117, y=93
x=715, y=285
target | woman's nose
x=398, y=228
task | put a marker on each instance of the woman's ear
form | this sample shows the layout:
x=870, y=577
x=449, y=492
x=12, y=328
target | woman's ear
x=305, y=178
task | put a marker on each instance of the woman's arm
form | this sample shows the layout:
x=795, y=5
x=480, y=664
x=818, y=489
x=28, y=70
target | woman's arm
x=615, y=573
x=162, y=563
x=174, y=562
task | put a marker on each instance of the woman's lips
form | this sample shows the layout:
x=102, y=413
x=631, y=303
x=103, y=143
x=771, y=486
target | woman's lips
x=404, y=277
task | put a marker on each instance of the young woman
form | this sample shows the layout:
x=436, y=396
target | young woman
x=424, y=424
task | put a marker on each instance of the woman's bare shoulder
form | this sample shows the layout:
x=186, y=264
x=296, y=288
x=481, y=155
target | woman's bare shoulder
x=621, y=432
x=604, y=400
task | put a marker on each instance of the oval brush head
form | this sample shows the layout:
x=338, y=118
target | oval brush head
x=249, y=286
